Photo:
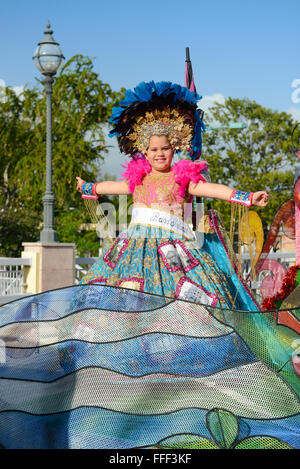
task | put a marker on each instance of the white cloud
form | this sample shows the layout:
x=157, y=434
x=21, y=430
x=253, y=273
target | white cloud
x=2, y=93
x=210, y=100
x=295, y=111
x=17, y=89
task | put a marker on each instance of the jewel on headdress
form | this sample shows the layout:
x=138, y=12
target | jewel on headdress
x=166, y=122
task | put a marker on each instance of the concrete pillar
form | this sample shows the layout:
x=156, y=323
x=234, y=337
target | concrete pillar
x=31, y=276
x=53, y=266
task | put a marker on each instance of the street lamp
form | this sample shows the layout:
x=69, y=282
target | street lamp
x=48, y=58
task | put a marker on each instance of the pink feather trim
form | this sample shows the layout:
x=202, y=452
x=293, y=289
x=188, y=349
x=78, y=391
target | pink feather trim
x=187, y=171
x=135, y=171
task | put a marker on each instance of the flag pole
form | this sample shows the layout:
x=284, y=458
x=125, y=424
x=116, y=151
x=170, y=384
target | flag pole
x=190, y=84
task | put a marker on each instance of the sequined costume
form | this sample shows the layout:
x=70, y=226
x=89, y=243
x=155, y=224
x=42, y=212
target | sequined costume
x=153, y=257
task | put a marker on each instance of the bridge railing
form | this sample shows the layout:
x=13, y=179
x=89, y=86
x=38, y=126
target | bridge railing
x=82, y=265
x=12, y=280
x=12, y=275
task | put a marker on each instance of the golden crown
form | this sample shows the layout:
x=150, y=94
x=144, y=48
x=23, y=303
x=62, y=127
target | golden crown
x=166, y=122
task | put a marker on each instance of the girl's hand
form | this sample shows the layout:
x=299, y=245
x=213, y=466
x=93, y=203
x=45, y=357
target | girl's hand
x=260, y=198
x=79, y=183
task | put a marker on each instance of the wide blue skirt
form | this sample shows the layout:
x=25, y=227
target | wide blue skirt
x=194, y=364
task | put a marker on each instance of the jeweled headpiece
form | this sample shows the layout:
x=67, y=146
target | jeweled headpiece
x=160, y=108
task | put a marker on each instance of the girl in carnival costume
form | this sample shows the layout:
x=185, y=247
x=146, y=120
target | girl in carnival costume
x=151, y=349
x=244, y=351
x=158, y=253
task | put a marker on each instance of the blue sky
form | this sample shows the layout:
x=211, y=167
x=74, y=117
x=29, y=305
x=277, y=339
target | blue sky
x=238, y=48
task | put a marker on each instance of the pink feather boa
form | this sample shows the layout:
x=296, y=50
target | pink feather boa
x=185, y=171
x=135, y=171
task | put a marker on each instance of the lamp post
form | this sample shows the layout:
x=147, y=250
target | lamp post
x=48, y=58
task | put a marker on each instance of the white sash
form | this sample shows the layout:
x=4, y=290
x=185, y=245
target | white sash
x=158, y=219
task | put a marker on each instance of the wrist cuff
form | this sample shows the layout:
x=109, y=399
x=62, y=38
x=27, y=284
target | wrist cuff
x=88, y=188
x=94, y=188
x=240, y=197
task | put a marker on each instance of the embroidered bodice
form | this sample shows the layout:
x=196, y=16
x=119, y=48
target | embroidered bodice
x=160, y=191
x=165, y=191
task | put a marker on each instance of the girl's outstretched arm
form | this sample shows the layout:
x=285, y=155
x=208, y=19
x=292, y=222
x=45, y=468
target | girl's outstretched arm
x=219, y=191
x=107, y=187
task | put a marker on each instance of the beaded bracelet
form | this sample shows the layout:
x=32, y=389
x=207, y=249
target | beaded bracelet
x=240, y=197
x=88, y=190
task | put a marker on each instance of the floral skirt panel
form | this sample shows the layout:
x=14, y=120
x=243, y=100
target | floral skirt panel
x=158, y=261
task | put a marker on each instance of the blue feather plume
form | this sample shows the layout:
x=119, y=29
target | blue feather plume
x=144, y=92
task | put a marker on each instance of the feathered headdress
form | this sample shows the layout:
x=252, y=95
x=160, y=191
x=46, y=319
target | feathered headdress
x=160, y=108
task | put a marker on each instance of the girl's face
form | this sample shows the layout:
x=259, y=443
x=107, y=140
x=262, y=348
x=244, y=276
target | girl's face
x=160, y=154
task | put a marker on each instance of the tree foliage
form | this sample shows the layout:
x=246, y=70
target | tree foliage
x=258, y=157
x=81, y=107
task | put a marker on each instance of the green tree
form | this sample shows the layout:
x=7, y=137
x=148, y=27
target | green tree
x=256, y=158
x=17, y=223
x=82, y=105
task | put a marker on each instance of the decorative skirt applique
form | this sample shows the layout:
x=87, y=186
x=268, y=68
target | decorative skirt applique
x=158, y=261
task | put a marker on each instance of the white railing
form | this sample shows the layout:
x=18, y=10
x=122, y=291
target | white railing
x=12, y=275
x=82, y=265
